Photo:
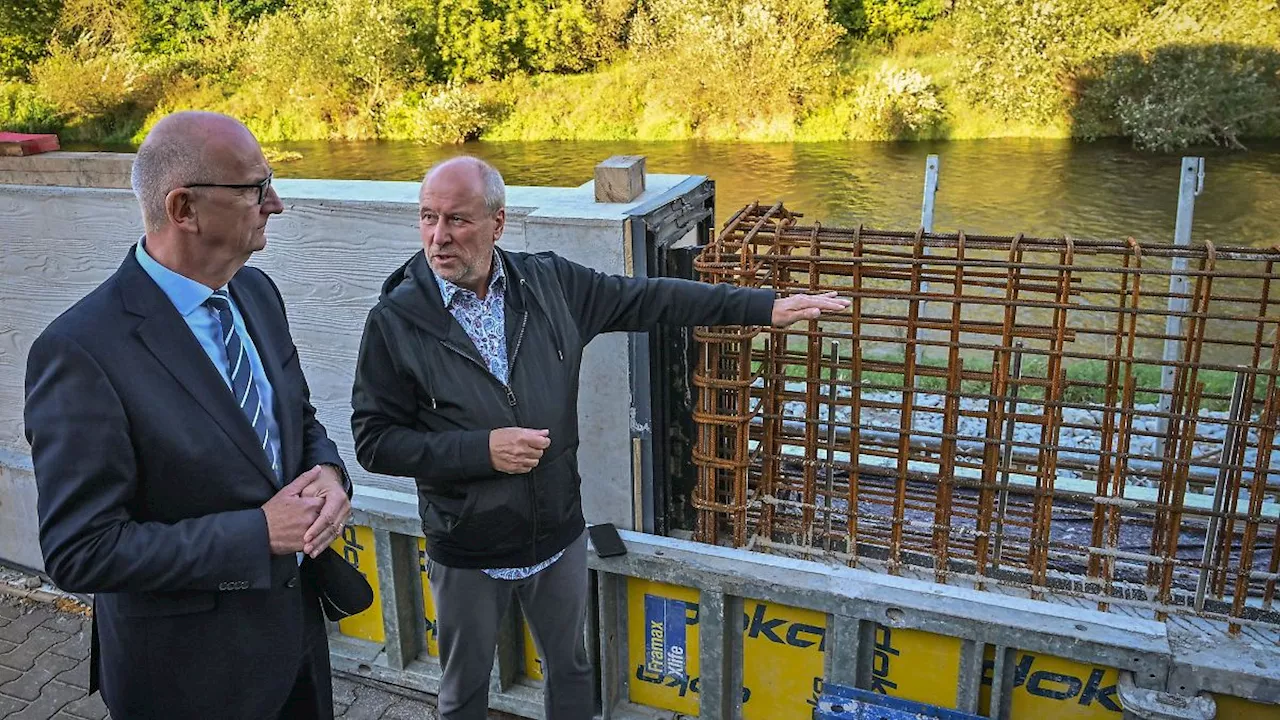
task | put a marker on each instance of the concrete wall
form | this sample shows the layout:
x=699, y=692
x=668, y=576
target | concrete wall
x=68, y=169
x=329, y=253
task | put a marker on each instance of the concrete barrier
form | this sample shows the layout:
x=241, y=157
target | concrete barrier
x=329, y=253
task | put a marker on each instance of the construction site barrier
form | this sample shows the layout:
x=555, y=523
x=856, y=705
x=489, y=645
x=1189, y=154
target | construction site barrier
x=681, y=628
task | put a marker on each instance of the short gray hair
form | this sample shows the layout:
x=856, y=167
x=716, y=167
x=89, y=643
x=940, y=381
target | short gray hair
x=178, y=150
x=158, y=168
x=495, y=190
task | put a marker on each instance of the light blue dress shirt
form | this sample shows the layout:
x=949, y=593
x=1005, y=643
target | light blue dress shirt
x=188, y=298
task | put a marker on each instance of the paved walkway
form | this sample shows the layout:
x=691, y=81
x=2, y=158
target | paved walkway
x=44, y=672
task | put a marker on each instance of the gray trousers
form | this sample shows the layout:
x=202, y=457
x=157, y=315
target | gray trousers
x=469, y=607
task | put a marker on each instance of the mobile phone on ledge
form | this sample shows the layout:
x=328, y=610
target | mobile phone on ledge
x=605, y=539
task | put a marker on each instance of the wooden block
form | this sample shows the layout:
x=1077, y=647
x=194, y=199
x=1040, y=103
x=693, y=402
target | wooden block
x=620, y=179
x=23, y=144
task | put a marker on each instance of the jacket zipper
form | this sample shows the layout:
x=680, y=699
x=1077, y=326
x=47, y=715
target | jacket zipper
x=511, y=401
x=511, y=398
x=511, y=364
x=545, y=314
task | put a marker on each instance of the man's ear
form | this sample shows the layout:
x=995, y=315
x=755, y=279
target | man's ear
x=501, y=218
x=179, y=206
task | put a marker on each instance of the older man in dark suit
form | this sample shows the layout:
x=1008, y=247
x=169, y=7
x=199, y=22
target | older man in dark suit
x=183, y=477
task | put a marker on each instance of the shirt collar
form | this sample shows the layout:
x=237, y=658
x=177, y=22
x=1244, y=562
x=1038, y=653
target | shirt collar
x=185, y=294
x=448, y=290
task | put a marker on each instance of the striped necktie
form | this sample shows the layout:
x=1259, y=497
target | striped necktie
x=241, y=374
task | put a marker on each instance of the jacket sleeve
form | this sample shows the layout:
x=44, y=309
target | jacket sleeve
x=86, y=475
x=317, y=448
x=610, y=303
x=384, y=421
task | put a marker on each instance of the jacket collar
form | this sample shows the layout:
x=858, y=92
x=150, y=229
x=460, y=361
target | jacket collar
x=497, y=282
x=414, y=293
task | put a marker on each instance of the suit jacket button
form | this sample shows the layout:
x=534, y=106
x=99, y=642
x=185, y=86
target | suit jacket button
x=293, y=582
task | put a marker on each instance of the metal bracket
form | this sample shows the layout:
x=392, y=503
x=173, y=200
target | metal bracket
x=1143, y=704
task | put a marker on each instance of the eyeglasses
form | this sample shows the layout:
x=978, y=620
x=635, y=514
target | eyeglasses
x=261, y=187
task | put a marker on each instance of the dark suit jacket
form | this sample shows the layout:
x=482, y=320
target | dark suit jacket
x=150, y=483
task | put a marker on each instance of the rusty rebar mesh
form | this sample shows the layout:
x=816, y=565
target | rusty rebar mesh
x=1094, y=418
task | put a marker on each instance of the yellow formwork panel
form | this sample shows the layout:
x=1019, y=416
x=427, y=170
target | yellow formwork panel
x=428, y=603
x=1053, y=688
x=782, y=656
x=532, y=663
x=783, y=651
x=1234, y=708
x=916, y=665
x=783, y=663
x=356, y=545
x=660, y=618
x=781, y=660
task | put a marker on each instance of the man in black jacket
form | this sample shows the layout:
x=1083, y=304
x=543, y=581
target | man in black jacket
x=468, y=382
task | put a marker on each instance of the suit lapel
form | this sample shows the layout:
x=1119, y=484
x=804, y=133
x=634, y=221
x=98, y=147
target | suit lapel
x=166, y=335
x=251, y=307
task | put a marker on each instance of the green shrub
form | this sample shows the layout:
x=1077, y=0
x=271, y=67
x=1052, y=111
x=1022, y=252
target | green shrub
x=1188, y=74
x=22, y=109
x=324, y=68
x=467, y=40
x=87, y=79
x=738, y=67
x=896, y=105
x=885, y=18
x=604, y=105
x=447, y=114
x=1023, y=57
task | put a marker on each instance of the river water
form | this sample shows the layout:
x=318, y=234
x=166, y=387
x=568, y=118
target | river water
x=1006, y=186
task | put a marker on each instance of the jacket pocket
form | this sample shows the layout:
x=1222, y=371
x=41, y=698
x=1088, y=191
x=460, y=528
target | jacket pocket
x=165, y=604
x=494, y=515
x=559, y=493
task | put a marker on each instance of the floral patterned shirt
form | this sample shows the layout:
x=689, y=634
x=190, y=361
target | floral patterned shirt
x=485, y=322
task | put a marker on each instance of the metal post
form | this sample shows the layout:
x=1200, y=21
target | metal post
x=843, y=652
x=926, y=222
x=720, y=655
x=1006, y=453
x=1234, y=434
x=833, y=396
x=1002, y=683
x=1190, y=186
x=930, y=191
x=400, y=588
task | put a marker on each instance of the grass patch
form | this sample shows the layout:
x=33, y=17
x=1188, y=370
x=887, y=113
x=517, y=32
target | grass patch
x=1085, y=379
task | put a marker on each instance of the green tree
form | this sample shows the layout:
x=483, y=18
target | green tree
x=885, y=18
x=25, y=29
x=467, y=40
x=172, y=26
x=1023, y=58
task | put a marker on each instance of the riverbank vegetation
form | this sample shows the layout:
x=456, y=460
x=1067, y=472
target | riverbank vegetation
x=1164, y=73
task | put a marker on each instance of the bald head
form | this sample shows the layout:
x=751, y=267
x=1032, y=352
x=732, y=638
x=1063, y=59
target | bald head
x=184, y=148
x=471, y=172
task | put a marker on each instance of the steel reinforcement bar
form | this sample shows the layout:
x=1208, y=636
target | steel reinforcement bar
x=1039, y=414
